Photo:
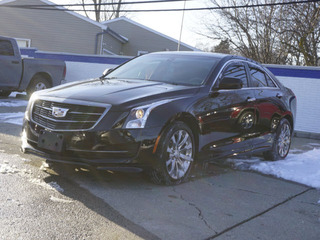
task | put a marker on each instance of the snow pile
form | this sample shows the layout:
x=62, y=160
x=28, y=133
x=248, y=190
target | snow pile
x=13, y=118
x=302, y=168
x=14, y=94
x=49, y=186
x=13, y=103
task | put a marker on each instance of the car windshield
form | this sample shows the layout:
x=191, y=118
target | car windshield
x=173, y=69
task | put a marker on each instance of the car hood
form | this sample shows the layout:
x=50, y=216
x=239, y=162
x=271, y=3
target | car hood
x=120, y=93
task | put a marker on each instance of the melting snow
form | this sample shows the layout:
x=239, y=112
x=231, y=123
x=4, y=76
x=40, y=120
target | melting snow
x=14, y=118
x=5, y=168
x=14, y=94
x=60, y=200
x=50, y=185
x=13, y=103
x=302, y=168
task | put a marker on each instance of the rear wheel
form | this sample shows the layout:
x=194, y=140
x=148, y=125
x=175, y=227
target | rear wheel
x=281, y=142
x=176, y=155
x=4, y=93
x=38, y=83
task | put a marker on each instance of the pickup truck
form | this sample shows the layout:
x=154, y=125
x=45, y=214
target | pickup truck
x=26, y=74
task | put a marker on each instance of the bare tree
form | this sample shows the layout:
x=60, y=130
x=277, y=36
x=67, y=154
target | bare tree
x=303, y=23
x=286, y=34
x=249, y=30
x=103, y=12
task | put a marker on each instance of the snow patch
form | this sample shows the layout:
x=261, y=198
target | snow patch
x=60, y=200
x=5, y=168
x=13, y=118
x=302, y=168
x=14, y=94
x=13, y=103
x=49, y=186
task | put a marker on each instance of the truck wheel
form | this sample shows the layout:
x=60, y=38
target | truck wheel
x=176, y=155
x=4, y=93
x=38, y=83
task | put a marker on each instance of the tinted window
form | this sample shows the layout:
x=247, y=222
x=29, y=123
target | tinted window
x=236, y=71
x=258, y=77
x=6, y=48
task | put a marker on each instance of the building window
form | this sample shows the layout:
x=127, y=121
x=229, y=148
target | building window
x=23, y=42
x=142, y=52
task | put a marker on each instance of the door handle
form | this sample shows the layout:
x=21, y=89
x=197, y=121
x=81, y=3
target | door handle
x=251, y=99
x=15, y=62
x=279, y=95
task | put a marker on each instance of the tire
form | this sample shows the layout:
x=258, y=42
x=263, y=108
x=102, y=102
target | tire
x=281, y=142
x=176, y=155
x=38, y=83
x=4, y=93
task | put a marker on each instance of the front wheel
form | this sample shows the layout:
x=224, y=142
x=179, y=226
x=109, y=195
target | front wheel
x=176, y=155
x=281, y=143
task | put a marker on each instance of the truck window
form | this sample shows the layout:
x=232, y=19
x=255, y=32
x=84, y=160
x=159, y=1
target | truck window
x=6, y=48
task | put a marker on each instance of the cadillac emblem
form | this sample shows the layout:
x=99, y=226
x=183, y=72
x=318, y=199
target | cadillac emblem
x=59, y=112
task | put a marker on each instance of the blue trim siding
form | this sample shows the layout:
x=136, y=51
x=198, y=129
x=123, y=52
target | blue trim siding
x=297, y=73
x=116, y=60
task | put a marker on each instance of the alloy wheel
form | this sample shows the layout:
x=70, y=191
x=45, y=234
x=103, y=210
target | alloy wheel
x=284, y=140
x=180, y=154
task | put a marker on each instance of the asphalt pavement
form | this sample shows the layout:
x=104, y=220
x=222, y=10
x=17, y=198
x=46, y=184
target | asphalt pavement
x=64, y=202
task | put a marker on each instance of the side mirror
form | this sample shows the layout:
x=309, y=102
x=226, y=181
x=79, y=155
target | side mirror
x=230, y=83
x=106, y=72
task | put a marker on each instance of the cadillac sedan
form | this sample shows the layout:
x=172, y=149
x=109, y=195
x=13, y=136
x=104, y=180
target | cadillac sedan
x=163, y=112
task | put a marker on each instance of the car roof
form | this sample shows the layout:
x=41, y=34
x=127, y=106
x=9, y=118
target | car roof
x=225, y=57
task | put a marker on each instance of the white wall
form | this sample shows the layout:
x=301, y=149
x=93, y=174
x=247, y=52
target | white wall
x=307, y=91
x=82, y=71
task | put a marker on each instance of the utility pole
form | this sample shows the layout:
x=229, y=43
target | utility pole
x=184, y=8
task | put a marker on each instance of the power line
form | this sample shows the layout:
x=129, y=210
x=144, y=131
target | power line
x=92, y=4
x=41, y=7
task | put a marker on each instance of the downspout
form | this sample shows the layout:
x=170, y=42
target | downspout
x=101, y=45
x=97, y=40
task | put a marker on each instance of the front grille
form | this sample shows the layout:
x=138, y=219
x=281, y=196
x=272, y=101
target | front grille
x=78, y=117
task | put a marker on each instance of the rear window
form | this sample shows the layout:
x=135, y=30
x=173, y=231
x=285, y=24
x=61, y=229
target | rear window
x=6, y=48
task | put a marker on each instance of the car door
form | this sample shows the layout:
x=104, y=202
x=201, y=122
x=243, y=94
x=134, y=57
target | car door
x=269, y=105
x=10, y=64
x=227, y=116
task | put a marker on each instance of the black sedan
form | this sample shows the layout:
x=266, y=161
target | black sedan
x=163, y=112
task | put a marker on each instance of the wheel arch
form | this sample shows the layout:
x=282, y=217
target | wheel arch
x=44, y=75
x=190, y=121
x=290, y=119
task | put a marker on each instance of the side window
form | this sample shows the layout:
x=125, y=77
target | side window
x=270, y=82
x=6, y=48
x=258, y=77
x=236, y=71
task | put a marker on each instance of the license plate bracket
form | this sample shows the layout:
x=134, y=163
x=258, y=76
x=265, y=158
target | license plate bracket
x=51, y=141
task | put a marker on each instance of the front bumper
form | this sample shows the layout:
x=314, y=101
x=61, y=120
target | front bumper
x=115, y=148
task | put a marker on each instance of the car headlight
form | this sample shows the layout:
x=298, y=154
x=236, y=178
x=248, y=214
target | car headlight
x=139, y=115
